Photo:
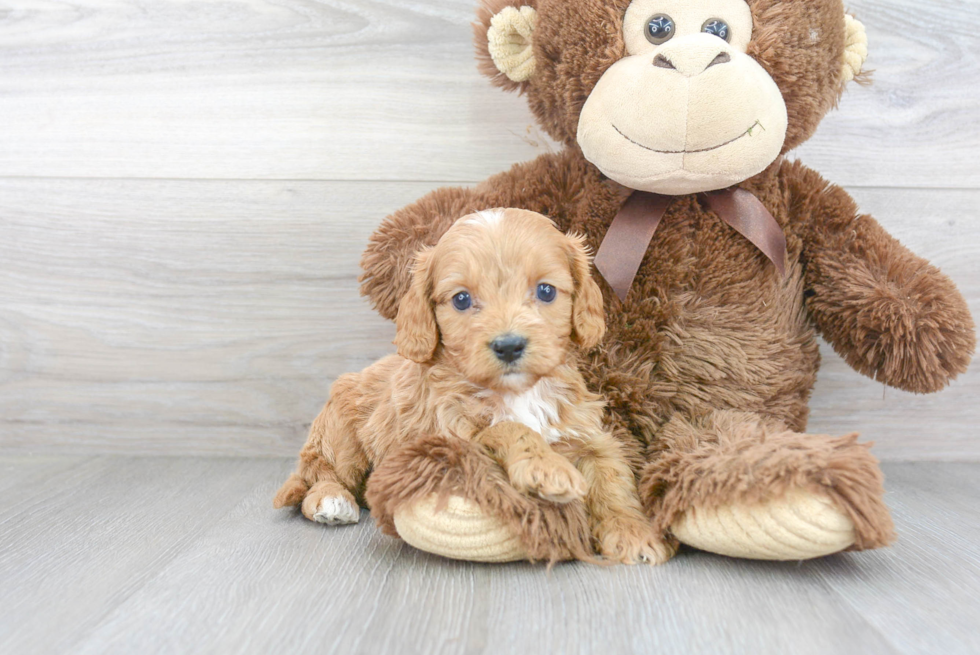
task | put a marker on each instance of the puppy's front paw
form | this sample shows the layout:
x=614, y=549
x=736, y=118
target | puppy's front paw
x=633, y=541
x=553, y=478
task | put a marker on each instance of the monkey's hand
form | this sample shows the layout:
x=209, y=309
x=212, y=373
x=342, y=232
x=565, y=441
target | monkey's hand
x=889, y=313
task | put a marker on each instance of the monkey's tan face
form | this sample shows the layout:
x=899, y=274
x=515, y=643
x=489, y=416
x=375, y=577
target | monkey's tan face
x=687, y=110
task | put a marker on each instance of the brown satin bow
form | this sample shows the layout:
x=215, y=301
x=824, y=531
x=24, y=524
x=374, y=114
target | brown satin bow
x=629, y=235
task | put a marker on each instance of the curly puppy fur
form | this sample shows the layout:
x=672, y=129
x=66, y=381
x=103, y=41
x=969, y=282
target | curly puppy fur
x=711, y=343
x=493, y=278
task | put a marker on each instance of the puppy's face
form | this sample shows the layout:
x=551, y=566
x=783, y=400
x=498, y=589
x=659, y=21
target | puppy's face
x=500, y=298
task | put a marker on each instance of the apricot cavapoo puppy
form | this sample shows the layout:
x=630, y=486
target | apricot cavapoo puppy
x=485, y=352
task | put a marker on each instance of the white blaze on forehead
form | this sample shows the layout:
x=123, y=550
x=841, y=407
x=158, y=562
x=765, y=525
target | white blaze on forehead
x=537, y=408
x=487, y=217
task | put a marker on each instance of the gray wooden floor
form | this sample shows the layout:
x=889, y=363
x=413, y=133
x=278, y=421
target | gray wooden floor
x=179, y=555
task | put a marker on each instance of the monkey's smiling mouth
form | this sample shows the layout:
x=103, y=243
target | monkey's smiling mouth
x=747, y=132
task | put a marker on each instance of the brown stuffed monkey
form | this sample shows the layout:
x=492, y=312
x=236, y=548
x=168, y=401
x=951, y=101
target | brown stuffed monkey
x=720, y=263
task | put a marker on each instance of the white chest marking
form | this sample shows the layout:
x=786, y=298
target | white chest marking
x=537, y=408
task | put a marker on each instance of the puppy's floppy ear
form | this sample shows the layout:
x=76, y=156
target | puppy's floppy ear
x=588, y=322
x=417, y=334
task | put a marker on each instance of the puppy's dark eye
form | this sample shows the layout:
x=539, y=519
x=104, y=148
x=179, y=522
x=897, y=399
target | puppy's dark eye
x=659, y=29
x=546, y=292
x=718, y=27
x=462, y=301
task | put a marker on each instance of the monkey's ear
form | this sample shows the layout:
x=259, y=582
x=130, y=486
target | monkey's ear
x=588, y=314
x=855, y=49
x=503, y=36
x=416, y=331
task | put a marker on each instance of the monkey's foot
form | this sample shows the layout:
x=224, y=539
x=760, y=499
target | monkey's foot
x=743, y=485
x=460, y=530
x=482, y=516
x=799, y=525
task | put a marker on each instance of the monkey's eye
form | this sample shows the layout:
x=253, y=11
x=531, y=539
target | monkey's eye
x=718, y=27
x=546, y=292
x=462, y=301
x=659, y=29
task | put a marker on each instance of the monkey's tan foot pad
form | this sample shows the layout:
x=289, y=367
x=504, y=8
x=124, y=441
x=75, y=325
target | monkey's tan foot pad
x=799, y=525
x=461, y=530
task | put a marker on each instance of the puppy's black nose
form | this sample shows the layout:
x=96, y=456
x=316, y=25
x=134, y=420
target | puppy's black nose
x=509, y=347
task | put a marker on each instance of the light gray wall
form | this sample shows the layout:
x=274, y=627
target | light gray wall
x=185, y=189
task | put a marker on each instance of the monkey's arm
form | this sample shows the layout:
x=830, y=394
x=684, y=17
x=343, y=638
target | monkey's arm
x=542, y=185
x=889, y=313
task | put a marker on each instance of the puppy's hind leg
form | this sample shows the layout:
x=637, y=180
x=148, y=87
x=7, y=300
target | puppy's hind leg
x=332, y=464
x=292, y=492
x=328, y=502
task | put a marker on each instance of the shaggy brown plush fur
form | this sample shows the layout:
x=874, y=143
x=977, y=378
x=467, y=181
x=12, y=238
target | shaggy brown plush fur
x=709, y=363
x=436, y=465
x=727, y=457
x=709, y=325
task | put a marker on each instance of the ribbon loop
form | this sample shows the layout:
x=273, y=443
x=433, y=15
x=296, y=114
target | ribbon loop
x=750, y=218
x=627, y=239
x=631, y=231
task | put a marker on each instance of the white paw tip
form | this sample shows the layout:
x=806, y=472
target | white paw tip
x=334, y=510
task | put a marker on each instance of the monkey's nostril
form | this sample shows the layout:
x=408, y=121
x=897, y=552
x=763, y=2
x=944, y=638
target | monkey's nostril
x=662, y=62
x=722, y=58
x=508, y=348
